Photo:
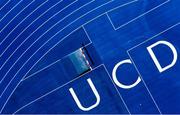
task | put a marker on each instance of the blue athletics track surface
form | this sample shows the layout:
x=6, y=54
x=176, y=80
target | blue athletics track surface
x=90, y=56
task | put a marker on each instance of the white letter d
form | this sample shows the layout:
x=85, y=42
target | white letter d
x=161, y=69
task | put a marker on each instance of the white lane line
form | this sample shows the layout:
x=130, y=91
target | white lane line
x=136, y=18
x=90, y=21
x=33, y=33
x=26, y=61
x=30, y=35
x=117, y=91
x=39, y=49
x=18, y=26
x=144, y=84
x=59, y=59
x=36, y=41
x=5, y=5
x=154, y=36
x=29, y=25
x=10, y=10
x=46, y=53
x=52, y=63
x=59, y=42
x=61, y=29
x=17, y=15
x=136, y=66
x=134, y=1
x=87, y=34
x=125, y=4
x=56, y=89
x=43, y=35
x=16, y=73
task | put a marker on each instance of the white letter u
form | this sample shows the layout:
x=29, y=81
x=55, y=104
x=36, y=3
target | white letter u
x=79, y=103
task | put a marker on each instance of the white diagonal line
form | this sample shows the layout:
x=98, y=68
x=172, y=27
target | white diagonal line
x=29, y=59
x=59, y=59
x=16, y=15
x=39, y=49
x=10, y=10
x=44, y=55
x=26, y=27
x=34, y=43
x=18, y=26
x=145, y=84
x=154, y=36
x=136, y=18
x=51, y=64
x=25, y=30
x=125, y=4
x=55, y=89
x=5, y=5
x=117, y=90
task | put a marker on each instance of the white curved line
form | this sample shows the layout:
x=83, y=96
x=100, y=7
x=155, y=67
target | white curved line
x=16, y=16
x=42, y=34
x=41, y=58
x=134, y=19
x=26, y=29
x=5, y=5
x=86, y=32
x=18, y=26
x=48, y=41
x=42, y=69
x=52, y=63
x=10, y=10
x=28, y=49
x=56, y=89
x=33, y=44
x=43, y=45
x=36, y=52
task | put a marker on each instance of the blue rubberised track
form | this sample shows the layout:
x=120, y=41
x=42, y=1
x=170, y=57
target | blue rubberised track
x=38, y=36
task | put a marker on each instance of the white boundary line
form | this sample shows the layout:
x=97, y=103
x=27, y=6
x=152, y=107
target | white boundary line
x=102, y=64
x=27, y=38
x=17, y=15
x=59, y=32
x=87, y=34
x=27, y=73
x=52, y=63
x=144, y=84
x=90, y=42
x=10, y=10
x=136, y=66
x=55, y=25
x=56, y=89
x=46, y=53
x=42, y=34
x=18, y=26
x=34, y=32
x=18, y=70
x=31, y=33
x=125, y=4
x=154, y=36
x=134, y=19
x=117, y=91
x=97, y=17
x=5, y=5
x=40, y=47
